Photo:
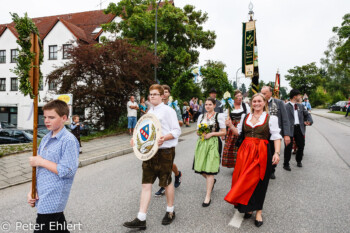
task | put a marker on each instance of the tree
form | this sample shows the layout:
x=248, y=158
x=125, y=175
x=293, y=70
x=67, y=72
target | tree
x=102, y=77
x=234, y=85
x=283, y=93
x=305, y=78
x=184, y=88
x=243, y=89
x=180, y=33
x=215, y=76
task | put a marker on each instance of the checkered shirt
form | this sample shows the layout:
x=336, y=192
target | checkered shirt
x=53, y=190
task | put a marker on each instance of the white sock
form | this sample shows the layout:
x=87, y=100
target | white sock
x=170, y=209
x=141, y=216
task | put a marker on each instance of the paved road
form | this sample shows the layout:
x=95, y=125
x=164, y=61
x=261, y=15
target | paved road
x=314, y=198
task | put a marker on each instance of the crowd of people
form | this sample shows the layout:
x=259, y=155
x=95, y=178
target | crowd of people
x=245, y=138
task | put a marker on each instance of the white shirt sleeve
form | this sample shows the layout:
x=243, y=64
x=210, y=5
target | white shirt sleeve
x=274, y=128
x=221, y=120
x=248, y=108
x=240, y=124
x=175, y=129
x=199, y=120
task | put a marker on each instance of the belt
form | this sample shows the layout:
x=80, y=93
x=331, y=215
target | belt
x=166, y=148
x=297, y=125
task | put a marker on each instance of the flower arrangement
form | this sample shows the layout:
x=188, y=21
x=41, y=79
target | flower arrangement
x=203, y=128
x=227, y=101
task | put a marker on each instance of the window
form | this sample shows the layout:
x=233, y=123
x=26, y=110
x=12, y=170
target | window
x=66, y=48
x=52, y=86
x=14, y=55
x=2, y=84
x=2, y=56
x=53, y=52
x=14, y=84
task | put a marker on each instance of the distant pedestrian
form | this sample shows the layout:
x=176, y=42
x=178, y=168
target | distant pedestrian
x=307, y=104
x=348, y=108
x=218, y=106
x=200, y=107
x=132, y=108
x=76, y=127
x=142, y=106
x=57, y=162
x=148, y=104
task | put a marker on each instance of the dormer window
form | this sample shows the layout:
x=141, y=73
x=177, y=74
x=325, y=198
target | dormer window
x=97, y=30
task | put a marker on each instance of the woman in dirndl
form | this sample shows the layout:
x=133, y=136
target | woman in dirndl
x=230, y=150
x=251, y=175
x=208, y=150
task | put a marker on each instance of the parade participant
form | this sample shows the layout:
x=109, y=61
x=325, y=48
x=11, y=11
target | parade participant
x=347, y=108
x=76, y=127
x=298, y=117
x=230, y=150
x=176, y=171
x=218, y=106
x=251, y=175
x=209, y=147
x=142, y=106
x=307, y=104
x=160, y=165
x=57, y=163
x=277, y=108
x=132, y=107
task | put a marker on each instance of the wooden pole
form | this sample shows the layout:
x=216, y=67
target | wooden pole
x=34, y=80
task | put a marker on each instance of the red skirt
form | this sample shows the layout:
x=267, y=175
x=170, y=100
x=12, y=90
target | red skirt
x=249, y=175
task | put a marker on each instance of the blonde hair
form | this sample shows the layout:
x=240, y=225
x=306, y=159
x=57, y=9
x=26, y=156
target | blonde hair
x=266, y=108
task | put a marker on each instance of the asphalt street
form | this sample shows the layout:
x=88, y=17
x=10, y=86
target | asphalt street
x=314, y=198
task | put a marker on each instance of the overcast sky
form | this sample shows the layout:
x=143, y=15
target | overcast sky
x=289, y=32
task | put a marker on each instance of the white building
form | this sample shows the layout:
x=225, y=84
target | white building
x=57, y=34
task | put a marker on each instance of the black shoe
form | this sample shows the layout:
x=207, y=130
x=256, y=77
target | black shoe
x=213, y=185
x=273, y=176
x=206, y=204
x=299, y=164
x=160, y=192
x=287, y=167
x=178, y=180
x=168, y=218
x=247, y=215
x=136, y=223
x=258, y=223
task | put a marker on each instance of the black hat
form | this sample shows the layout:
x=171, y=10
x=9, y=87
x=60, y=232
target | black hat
x=213, y=90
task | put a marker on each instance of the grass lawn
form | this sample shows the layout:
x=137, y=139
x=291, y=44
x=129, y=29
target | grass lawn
x=338, y=112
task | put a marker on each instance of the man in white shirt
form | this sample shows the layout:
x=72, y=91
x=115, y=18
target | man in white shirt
x=160, y=165
x=132, y=107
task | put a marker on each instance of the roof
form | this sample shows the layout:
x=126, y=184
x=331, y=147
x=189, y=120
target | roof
x=81, y=24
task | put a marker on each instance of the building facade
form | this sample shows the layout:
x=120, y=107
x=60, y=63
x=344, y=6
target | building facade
x=57, y=33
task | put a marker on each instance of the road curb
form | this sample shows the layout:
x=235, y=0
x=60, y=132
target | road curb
x=95, y=159
x=329, y=118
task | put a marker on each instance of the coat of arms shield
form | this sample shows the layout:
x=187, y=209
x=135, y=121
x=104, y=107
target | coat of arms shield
x=146, y=135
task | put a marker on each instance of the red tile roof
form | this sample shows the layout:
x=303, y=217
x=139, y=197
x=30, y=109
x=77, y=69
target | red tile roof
x=81, y=24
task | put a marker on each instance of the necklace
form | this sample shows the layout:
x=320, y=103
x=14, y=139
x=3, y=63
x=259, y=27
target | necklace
x=210, y=116
x=257, y=118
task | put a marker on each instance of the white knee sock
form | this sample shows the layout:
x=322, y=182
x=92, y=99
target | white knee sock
x=141, y=216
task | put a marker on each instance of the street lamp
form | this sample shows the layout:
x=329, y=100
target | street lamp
x=155, y=42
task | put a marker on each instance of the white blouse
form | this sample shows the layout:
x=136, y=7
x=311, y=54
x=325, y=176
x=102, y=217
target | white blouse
x=241, y=109
x=211, y=121
x=273, y=125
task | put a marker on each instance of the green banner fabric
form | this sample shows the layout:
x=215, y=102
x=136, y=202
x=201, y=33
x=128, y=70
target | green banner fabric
x=255, y=79
x=248, y=48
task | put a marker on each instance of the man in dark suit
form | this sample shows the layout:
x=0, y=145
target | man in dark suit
x=218, y=107
x=298, y=117
x=277, y=108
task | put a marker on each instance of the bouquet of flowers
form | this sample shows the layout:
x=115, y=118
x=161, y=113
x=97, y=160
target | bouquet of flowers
x=227, y=101
x=203, y=128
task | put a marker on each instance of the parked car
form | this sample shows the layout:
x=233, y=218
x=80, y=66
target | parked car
x=339, y=106
x=13, y=136
x=5, y=125
x=30, y=131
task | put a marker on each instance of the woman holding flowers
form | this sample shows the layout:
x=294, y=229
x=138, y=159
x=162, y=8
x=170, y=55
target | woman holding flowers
x=253, y=168
x=230, y=150
x=211, y=126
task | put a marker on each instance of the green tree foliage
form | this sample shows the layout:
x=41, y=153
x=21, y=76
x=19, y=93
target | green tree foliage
x=234, y=85
x=337, y=59
x=243, y=88
x=320, y=97
x=305, y=78
x=215, y=76
x=180, y=33
x=184, y=88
